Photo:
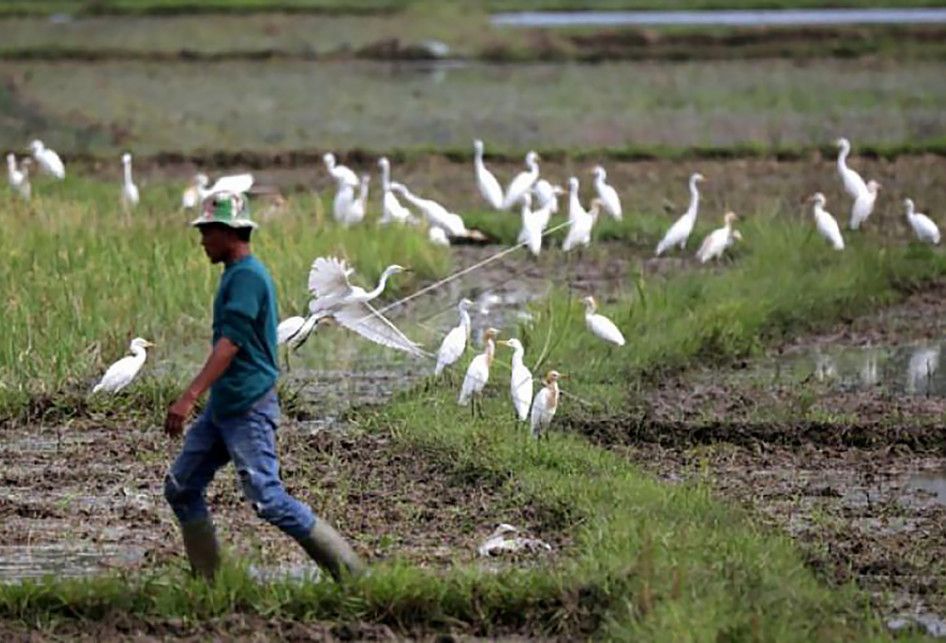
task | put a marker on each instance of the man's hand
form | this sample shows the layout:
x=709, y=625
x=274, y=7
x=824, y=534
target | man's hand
x=178, y=414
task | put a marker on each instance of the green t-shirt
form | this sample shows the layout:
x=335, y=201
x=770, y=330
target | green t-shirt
x=245, y=313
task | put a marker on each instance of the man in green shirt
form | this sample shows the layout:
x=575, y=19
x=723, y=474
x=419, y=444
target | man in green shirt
x=240, y=419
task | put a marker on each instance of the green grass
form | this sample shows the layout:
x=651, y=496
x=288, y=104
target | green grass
x=648, y=560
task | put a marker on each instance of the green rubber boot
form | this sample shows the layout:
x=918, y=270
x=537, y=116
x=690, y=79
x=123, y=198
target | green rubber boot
x=332, y=552
x=200, y=543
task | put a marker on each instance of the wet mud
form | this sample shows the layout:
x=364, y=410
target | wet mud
x=856, y=474
x=88, y=498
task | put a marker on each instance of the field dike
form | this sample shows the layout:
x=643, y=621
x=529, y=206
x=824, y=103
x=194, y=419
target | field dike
x=418, y=481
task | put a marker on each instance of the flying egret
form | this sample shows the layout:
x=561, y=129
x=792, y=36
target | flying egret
x=544, y=404
x=679, y=232
x=293, y=332
x=853, y=183
x=340, y=173
x=437, y=215
x=600, y=325
x=391, y=209
x=864, y=204
x=581, y=221
x=534, y=223
x=827, y=226
x=923, y=227
x=520, y=383
x=610, y=201
x=454, y=343
x=488, y=185
x=477, y=373
x=547, y=194
x=719, y=240
x=47, y=160
x=121, y=373
x=130, y=195
x=523, y=181
x=19, y=178
x=198, y=190
x=349, y=305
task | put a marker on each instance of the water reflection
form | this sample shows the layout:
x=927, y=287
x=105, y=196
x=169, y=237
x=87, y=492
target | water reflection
x=909, y=369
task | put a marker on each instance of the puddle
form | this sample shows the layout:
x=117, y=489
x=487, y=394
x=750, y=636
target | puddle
x=910, y=370
x=930, y=483
x=19, y=563
x=747, y=18
x=931, y=624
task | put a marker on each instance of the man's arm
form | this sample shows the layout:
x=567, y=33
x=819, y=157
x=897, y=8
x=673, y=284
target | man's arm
x=217, y=364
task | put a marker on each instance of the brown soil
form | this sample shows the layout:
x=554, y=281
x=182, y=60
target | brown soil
x=79, y=498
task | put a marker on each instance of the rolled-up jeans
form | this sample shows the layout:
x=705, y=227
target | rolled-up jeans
x=249, y=439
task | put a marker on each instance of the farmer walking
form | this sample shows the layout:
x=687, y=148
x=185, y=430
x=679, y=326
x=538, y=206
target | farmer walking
x=240, y=419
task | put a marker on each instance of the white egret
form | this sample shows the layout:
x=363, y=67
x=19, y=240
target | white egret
x=130, y=195
x=343, y=201
x=923, y=227
x=600, y=325
x=340, y=173
x=923, y=364
x=853, y=183
x=356, y=208
x=523, y=181
x=190, y=198
x=827, y=226
x=581, y=221
x=437, y=236
x=391, y=209
x=679, y=232
x=477, y=373
x=349, y=305
x=437, y=215
x=864, y=204
x=47, y=160
x=489, y=187
x=719, y=240
x=454, y=343
x=121, y=373
x=547, y=194
x=534, y=223
x=610, y=202
x=520, y=383
x=19, y=178
x=293, y=332
x=198, y=190
x=544, y=404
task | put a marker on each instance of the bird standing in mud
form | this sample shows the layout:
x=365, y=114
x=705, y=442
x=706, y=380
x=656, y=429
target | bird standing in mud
x=477, y=373
x=600, y=325
x=610, y=201
x=826, y=224
x=520, y=382
x=923, y=227
x=679, y=232
x=545, y=404
x=453, y=345
x=486, y=182
x=121, y=373
x=523, y=181
x=864, y=194
x=719, y=240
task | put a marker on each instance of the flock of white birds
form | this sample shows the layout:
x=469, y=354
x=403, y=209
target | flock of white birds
x=336, y=298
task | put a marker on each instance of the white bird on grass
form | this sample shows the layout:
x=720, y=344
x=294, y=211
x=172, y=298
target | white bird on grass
x=437, y=215
x=477, y=373
x=827, y=226
x=679, y=232
x=198, y=190
x=719, y=240
x=355, y=210
x=581, y=222
x=547, y=194
x=391, y=209
x=523, y=181
x=341, y=204
x=520, y=383
x=544, y=404
x=610, y=202
x=534, y=223
x=489, y=187
x=864, y=194
x=121, y=373
x=923, y=227
x=340, y=173
x=864, y=204
x=600, y=325
x=130, y=195
x=349, y=305
x=454, y=343
x=47, y=160
x=19, y=178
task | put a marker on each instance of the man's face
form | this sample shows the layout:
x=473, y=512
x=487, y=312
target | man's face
x=216, y=240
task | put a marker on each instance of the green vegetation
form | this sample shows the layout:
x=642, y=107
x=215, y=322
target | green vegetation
x=648, y=560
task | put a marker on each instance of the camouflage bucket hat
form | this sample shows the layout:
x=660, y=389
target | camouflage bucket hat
x=227, y=208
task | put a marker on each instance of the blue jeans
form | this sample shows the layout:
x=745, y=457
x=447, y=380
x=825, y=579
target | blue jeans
x=249, y=440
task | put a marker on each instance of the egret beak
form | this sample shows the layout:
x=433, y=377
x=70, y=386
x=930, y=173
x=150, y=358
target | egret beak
x=408, y=270
x=149, y=345
x=504, y=342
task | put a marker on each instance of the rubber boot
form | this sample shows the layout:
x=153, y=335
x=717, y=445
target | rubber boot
x=332, y=552
x=200, y=543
